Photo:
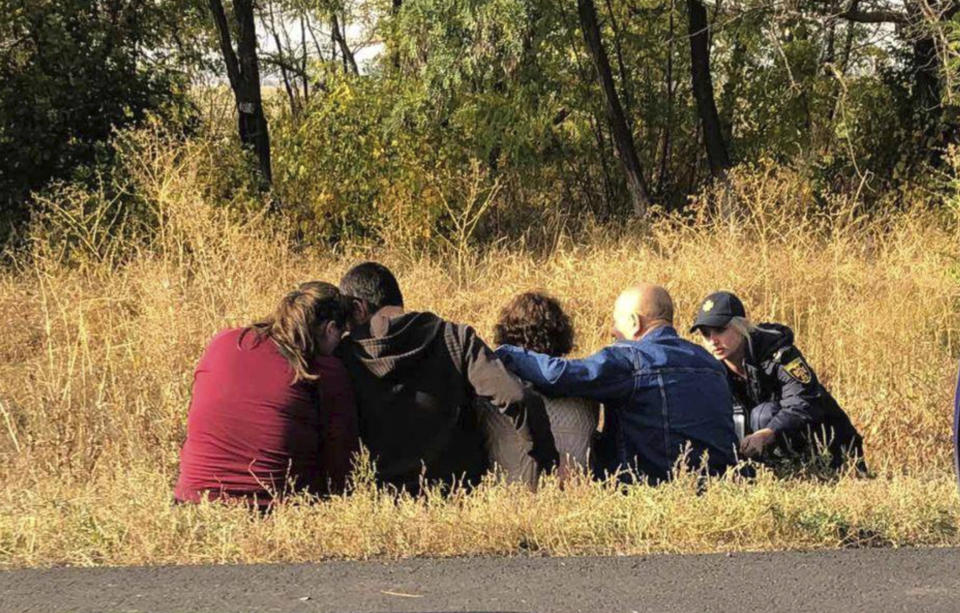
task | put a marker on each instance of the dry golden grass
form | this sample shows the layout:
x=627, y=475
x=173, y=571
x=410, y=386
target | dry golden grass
x=97, y=356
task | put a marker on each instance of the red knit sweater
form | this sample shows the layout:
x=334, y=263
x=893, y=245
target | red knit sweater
x=251, y=434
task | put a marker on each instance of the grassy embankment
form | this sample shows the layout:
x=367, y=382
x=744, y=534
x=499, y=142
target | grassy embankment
x=96, y=362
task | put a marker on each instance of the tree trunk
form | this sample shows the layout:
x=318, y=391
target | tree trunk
x=281, y=60
x=717, y=154
x=621, y=65
x=926, y=67
x=623, y=138
x=303, y=60
x=349, y=62
x=395, y=54
x=731, y=89
x=667, y=136
x=244, y=74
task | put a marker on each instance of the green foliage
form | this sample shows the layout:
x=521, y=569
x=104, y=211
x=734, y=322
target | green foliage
x=483, y=100
x=136, y=204
x=495, y=98
x=71, y=71
x=334, y=165
x=390, y=156
x=504, y=88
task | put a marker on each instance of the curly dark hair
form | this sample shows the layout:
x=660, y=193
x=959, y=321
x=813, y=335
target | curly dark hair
x=537, y=322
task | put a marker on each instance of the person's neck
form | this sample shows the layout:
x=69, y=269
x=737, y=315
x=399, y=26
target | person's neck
x=736, y=365
x=656, y=325
x=380, y=321
x=389, y=311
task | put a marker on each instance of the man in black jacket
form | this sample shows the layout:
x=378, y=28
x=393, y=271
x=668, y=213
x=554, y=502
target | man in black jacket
x=416, y=377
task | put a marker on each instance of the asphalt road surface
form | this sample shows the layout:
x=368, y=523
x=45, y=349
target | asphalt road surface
x=875, y=580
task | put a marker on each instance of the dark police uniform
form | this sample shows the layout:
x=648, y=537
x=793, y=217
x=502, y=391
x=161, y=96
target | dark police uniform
x=781, y=391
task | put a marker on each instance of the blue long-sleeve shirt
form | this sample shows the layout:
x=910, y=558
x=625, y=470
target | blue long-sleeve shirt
x=661, y=394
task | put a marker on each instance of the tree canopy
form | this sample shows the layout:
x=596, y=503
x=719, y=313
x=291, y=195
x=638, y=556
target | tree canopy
x=72, y=71
x=586, y=106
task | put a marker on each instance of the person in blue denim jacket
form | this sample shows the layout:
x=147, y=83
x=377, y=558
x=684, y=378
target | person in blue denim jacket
x=665, y=398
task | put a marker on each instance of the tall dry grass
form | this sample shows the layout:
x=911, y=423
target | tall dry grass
x=101, y=338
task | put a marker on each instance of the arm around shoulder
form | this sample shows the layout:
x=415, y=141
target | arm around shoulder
x=605, y=375
x=491, y=380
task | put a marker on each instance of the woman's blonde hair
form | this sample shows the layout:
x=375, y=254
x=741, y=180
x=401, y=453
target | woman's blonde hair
x=746, y=327
x=295, y=323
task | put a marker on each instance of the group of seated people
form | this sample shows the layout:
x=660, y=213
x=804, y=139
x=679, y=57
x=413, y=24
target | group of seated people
x=283, y=405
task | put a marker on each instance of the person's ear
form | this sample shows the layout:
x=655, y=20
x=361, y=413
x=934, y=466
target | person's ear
x=330, y=330
x=329, y=337
x=636, y=324
x=359, y=312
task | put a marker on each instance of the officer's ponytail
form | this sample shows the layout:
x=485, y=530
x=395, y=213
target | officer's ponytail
x=746, y=328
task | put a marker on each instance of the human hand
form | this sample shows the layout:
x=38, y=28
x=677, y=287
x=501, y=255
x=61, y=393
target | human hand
x=566, y=470
x=753, y=444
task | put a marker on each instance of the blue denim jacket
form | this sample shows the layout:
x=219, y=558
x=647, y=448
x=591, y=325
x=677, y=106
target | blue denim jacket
x=660, y=393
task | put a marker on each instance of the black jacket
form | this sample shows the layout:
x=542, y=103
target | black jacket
x=779, y=381
x=416, y=377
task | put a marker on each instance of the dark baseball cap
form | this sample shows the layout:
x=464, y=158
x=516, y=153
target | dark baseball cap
x=717, y=310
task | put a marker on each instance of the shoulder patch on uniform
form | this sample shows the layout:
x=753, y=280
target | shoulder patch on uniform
x=785, y=354
x=798, y=369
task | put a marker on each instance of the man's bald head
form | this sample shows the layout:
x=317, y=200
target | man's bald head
x=640, y=309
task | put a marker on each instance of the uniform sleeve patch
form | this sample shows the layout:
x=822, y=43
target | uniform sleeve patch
x=798, y=369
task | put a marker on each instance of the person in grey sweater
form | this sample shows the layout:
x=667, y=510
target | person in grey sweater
x=537, y=322
x=417, y=377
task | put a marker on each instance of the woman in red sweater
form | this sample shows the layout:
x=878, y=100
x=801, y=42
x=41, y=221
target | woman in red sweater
x=273, y=411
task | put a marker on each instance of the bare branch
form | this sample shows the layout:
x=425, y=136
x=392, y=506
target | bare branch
x=876, y=16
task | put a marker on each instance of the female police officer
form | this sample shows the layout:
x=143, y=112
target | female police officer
x=778, y=401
